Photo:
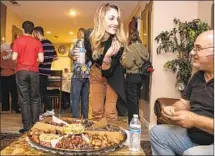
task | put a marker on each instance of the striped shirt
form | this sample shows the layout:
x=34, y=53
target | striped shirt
x=49, y=54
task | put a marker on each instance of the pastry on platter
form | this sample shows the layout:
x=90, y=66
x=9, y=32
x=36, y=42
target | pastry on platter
x=73, y=129
x=45, y=139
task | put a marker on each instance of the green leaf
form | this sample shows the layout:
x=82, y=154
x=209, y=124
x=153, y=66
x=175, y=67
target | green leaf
x=180, y=39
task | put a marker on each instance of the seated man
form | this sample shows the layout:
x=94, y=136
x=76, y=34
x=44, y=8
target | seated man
x=193, y=114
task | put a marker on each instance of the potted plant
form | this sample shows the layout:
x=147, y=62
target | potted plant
x=181, y=40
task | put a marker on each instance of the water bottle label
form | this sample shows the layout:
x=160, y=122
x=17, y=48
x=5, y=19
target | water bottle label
x=82, y=50
x=135, y=126
x=138, y=130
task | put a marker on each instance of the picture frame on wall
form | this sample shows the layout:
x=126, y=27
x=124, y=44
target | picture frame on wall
x=62, y=49
x=16, y=32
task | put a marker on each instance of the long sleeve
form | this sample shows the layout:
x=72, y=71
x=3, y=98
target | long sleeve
x=115, y=61
x=127, y=59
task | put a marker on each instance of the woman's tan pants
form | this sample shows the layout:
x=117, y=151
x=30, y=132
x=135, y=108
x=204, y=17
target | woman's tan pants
x=102, y=97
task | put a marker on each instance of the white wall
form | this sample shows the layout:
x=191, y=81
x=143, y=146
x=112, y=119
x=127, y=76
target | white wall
x=204, y=11
x=163, y=13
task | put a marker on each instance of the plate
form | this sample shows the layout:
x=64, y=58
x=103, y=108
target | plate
x=100, y=151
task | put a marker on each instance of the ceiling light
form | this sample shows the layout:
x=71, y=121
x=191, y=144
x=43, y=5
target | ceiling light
x=48, y=32
x=72, y=13
x=71, y=33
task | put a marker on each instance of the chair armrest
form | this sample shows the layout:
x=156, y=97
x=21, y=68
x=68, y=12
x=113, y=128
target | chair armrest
x=161, y=102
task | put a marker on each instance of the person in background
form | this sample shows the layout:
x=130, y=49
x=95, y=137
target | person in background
x=132, y=59
x=80, y=81
x=45, y=69
x=8, y=79
x=66, y=94
x=107, y=74
x=28, y=52
x=193, y=115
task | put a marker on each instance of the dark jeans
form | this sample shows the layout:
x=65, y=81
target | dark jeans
x=8, y=86
x=65, y=100
x=29, y=97
x=80, y=88
x=133, y=85
x=44, y=93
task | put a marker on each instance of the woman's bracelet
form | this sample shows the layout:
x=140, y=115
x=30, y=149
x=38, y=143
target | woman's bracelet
x=107, y=60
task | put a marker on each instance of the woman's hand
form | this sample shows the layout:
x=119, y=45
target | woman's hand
x=114, y=49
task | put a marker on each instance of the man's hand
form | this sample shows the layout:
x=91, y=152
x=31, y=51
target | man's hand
x=184, y=118
x=14, y=56
x=168, y=111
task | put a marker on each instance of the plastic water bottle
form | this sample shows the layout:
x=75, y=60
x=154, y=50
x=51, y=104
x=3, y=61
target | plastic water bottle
x=82, y=54
x=135, y=134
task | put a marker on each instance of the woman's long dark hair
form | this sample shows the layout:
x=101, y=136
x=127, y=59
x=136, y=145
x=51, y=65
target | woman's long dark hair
x=134, y=37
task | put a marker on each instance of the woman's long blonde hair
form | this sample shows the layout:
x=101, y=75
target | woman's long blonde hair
x=99, y=30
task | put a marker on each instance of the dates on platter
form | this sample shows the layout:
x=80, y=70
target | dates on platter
x=75, y=142
x=76, y=137
x=84, y=142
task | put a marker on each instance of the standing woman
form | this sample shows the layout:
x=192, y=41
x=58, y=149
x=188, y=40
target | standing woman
x=107, y=74
x=8, y=79
x=132, y=59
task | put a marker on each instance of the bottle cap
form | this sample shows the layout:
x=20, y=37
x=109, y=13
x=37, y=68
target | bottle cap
x=135, y=115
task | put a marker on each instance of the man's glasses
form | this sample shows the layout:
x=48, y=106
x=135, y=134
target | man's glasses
x=199, y=49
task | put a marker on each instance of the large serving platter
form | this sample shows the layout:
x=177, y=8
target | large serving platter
x=99, y=151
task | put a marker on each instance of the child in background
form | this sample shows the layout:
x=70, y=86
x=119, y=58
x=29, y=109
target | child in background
x=80, y=82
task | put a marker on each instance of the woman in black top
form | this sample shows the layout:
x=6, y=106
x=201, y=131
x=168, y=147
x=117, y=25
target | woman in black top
x=107, y=74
